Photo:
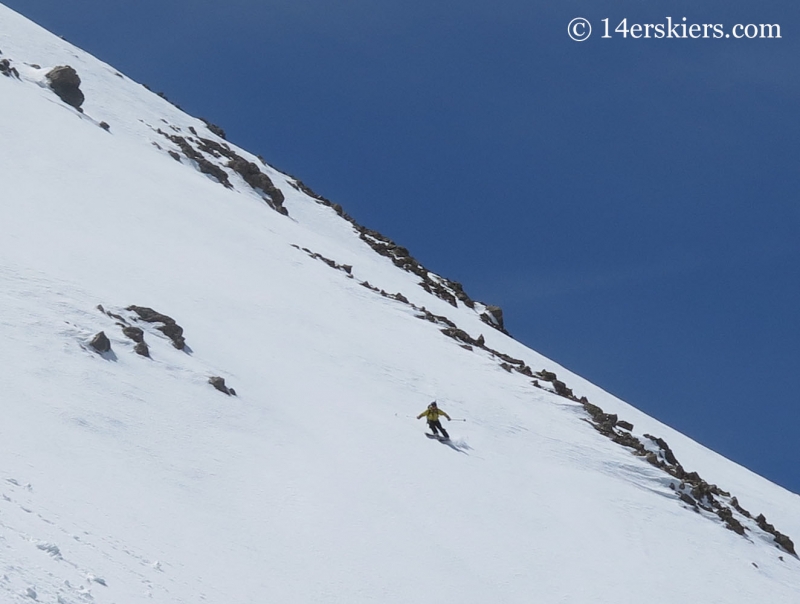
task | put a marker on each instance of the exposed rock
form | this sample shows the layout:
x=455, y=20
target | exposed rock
x=215, y=129
x=785, y=542
x=429, y=316
x=219, y=384
x=204, y=165
x=593, y=410
x=461, y=335
x=134, y=333
x=739, y=508
x=652, y=459
x=547, y=376
x=509, y=359
x=703, y=495
x=731, y=523
x=164, y=96
x=668, y=454
x=169, y=327
x=105, y=126
x=142, y=349
x=254, y=177
x=65, y=82
x=100, y=342
x=608, y=421
x=628, y=440
x=780, y=538
x=7, y=70
x=496, y=313
x=525, y=370
x=561, y=389
x=703, y=491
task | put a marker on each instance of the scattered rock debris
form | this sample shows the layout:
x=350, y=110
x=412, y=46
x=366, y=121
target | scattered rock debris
x=7, y=70
x=346, y=268
x=196, y=149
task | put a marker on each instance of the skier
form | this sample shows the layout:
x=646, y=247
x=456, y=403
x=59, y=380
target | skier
x=432, y=414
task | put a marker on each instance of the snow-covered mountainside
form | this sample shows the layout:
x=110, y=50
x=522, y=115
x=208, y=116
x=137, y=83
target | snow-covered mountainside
x=127, y=476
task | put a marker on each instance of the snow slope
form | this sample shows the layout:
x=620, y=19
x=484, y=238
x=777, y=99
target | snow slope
x=127, y=479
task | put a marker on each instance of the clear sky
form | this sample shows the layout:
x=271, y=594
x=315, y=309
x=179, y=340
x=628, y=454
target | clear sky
x=632, y=204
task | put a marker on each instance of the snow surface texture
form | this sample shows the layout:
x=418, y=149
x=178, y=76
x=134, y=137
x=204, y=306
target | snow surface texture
x=127, y=479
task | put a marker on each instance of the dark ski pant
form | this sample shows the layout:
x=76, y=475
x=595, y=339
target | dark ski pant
x=435, y=426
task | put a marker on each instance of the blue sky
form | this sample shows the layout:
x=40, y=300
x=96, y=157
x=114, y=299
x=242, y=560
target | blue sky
x=631, y=204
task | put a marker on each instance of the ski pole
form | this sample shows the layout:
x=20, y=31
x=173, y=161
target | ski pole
x=453, y=419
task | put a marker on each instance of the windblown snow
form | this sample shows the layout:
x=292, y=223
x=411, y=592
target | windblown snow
x=128, y=478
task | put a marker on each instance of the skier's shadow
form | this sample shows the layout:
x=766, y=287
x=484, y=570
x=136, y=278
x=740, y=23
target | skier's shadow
x=461, y=447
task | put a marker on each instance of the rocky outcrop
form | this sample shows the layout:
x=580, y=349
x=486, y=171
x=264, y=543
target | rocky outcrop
x=559, y=387
x=669, y=456
x=249, y=171
x=690, y=488
x=254, y=177
x=450, y=291
x=204, y=165
x=494, y=314
x=781, y=539
x=168, y=325
x=65, y=82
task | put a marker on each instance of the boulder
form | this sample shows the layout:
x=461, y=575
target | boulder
x=100, y=343
x=65, y=82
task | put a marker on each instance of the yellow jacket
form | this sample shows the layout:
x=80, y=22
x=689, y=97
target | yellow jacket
x=432, y=414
